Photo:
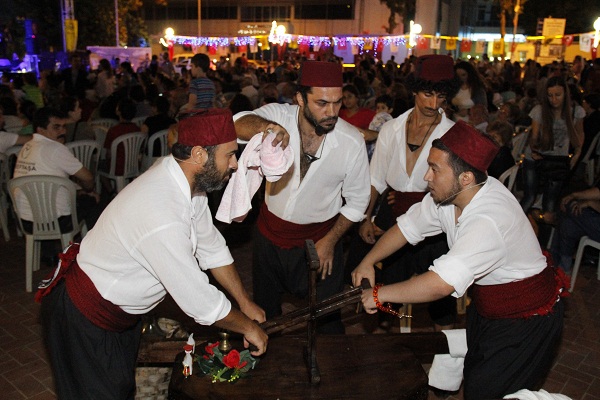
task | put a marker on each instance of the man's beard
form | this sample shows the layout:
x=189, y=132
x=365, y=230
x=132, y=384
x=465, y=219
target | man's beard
x=319, y=129
x=210, y=179
x=448, y=197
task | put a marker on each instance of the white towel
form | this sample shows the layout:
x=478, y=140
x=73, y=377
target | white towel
x=446, y=371
x=525, y=394
x=259, y=159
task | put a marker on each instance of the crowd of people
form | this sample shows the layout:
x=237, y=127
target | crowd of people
x=399, y=160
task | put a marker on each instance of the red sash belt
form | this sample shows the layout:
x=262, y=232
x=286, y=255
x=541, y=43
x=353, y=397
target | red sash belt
x=535, y=295
x=404, y=200
x=287, y=234
x=85, y=296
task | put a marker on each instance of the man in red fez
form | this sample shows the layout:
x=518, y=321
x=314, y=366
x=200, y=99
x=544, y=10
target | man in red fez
x=156, y=236
x=397, y=168
x=319, y=198
x=515, y=321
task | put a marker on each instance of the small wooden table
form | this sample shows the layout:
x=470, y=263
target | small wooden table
x=352, y=367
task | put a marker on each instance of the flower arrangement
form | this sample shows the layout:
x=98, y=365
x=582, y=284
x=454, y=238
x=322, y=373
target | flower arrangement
x=224, y=367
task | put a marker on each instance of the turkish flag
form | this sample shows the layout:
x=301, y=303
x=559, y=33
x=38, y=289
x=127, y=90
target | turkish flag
x=242, y=49
x=567, y=40
x=465, y=45
x=212, y=50
x=342, y=45
x=594, y=51
x=422, y=43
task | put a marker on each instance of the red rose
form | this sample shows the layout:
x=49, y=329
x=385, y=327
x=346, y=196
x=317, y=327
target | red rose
x=209, y=349
x=232, y=359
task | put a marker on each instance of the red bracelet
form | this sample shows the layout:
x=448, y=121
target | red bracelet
x=386, y=307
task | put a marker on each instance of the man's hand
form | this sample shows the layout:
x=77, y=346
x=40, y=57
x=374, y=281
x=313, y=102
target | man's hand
x=281, y=135
x=391, y=197
x=257, y=337
x=367, y=231
x=254, y=312
x=363, y=271
x=368, y=301
x=325, y=251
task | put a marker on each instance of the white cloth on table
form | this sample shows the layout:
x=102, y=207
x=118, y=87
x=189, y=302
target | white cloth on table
x=525, y=394
x=259, y=159
x=446, y=371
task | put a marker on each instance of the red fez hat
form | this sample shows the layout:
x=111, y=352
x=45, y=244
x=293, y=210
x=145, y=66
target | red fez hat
x=434, y=68
x=470, y=145
x=207, y=128
x=321, y=74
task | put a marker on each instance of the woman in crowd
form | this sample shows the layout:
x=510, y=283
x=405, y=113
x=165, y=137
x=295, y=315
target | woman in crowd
x=556, y=129
x=472, y=85
x=355, y=115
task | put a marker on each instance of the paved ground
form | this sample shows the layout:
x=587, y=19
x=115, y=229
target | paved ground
x=25, y=374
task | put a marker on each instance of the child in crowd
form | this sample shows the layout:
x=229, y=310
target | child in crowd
x=501, y=132
x=202, y=89
x=384, y=105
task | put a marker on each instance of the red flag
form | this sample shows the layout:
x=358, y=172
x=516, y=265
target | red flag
x=422, y=43
x=212, y=50
x=567, y=40
x=342, y=45
x=465, y=45
x=242, y=49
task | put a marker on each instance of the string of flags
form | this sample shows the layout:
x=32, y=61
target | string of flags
x=375, y=42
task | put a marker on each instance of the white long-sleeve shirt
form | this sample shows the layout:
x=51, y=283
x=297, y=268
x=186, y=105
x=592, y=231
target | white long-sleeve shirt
x=154, y=238
x=492, y=242
x=341, y=174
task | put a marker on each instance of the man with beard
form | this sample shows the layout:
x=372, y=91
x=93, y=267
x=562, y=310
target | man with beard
x=515, y=321
x=319, y=198
x=155, y=237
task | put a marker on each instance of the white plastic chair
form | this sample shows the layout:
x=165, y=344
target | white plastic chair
x=589, y=162
x=86, y=151
x=139, y=121
x=4, y=176
x=132, y=144
x=41, y=192
x=104, y=123
x=509, y=177
x=149, y=158
x=583, y=242
x=519, y=142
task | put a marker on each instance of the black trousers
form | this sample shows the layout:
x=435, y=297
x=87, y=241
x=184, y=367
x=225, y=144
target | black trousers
x=87, y=362
x=276, y=271
x=507, y=355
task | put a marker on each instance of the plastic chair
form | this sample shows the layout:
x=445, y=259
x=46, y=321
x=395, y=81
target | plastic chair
x=589, y=162
x=583, y=242
x=104, y=123
x=509, y=177
x=148, y=158
x=4, y=176
x=41, y=192
x=86, y=151
x=132, y=144
x=518, y=144
x=139, y=121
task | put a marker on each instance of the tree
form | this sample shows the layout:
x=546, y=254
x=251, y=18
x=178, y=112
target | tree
x=511, y=8
x=403, y=8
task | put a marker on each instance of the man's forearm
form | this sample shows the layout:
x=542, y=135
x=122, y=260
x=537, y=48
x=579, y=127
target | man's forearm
x=249, y=125
x=339, y=229
x=229, y=279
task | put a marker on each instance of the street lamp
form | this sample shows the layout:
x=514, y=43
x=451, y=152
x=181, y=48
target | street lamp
x=415, y=29
x=597, y=28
